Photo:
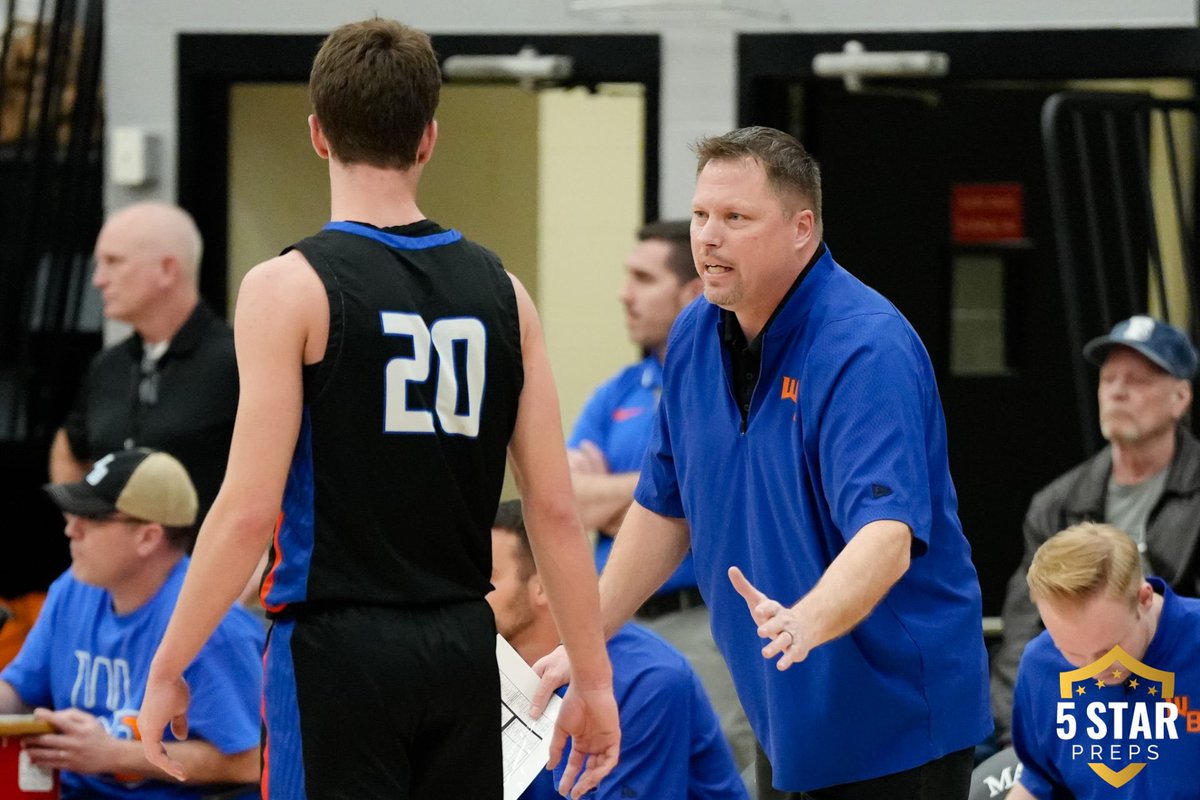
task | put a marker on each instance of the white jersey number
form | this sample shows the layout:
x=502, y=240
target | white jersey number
x=398, y=416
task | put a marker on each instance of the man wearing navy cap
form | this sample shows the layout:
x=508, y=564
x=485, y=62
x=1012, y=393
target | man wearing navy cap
x=1146, y=482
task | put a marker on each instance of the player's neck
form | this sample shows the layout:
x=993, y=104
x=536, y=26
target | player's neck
x=381, y=197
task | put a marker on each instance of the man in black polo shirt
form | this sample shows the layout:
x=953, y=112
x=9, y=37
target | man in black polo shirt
x=173, y=384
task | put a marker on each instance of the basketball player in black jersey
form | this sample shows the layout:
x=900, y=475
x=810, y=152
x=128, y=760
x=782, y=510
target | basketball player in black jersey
x=386, y=366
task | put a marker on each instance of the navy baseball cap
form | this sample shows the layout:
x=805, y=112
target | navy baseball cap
x=1160, y=342
x=146, y=484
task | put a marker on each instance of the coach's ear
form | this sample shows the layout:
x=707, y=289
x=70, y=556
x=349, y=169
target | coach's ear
x=317, y=137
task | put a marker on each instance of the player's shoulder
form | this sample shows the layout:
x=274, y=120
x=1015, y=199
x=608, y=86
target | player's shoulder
x=282, y=280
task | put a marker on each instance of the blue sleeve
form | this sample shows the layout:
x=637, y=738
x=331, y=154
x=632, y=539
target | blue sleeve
x=592, y=424
x=654, y=749
x=658, y=484
x=1038, y=775
x=29, y=672
x=226, y=685
x=864, y=391
x=542, y=788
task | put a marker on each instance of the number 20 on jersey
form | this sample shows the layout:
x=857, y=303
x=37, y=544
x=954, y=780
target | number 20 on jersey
x=453, y=416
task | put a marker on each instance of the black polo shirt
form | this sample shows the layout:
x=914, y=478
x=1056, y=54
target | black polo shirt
x=746, y=357
x=185, y=405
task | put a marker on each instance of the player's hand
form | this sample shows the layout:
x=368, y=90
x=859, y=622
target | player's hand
x=589, y=717
x=80, y=744
x=775, y=621
x=554, y=669
x=166, y=700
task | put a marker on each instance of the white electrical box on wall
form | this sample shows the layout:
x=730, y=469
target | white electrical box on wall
x=131, y=156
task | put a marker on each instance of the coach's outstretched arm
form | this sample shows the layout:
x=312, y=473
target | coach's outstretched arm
x=539, y=461
x=853, y=584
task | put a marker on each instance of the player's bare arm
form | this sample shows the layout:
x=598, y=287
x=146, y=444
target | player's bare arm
x=538, y=457
x=281, y=303
x=853, y=584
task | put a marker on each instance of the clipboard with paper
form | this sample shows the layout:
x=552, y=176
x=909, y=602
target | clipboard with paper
x=526, y=741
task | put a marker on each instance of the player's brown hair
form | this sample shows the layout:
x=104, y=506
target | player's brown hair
x=374, y=88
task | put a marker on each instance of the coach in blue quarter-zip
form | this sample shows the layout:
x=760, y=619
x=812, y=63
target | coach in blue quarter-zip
x=800, y=450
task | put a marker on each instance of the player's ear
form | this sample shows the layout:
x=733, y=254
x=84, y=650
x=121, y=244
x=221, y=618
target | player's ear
x=428, y=140
x=317, y=137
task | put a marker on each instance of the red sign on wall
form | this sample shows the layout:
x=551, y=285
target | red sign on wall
x=987, y=213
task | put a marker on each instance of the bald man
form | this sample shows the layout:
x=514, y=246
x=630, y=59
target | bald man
x=173, y=384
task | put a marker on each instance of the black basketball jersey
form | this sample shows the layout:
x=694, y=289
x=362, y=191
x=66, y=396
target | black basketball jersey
x=400, y=461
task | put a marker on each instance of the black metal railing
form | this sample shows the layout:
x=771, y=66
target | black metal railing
x=51, y=146
x=1121, y=169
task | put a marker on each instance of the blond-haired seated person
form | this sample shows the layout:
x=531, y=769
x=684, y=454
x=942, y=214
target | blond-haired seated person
x=83, y=667
x=1090, y=721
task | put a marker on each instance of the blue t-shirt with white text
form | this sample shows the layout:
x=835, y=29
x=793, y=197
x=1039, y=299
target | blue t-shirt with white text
x=81, y=654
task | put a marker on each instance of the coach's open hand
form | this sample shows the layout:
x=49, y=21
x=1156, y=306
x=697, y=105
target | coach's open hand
x=775, y=621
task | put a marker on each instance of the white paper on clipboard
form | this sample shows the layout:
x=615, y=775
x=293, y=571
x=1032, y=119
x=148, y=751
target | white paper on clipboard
x=526, y=741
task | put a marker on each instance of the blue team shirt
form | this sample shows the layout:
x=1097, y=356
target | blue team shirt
x=618, y=418
x=845, y=428
x=81, y=654
x=1051, y=770
x=672, y=747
